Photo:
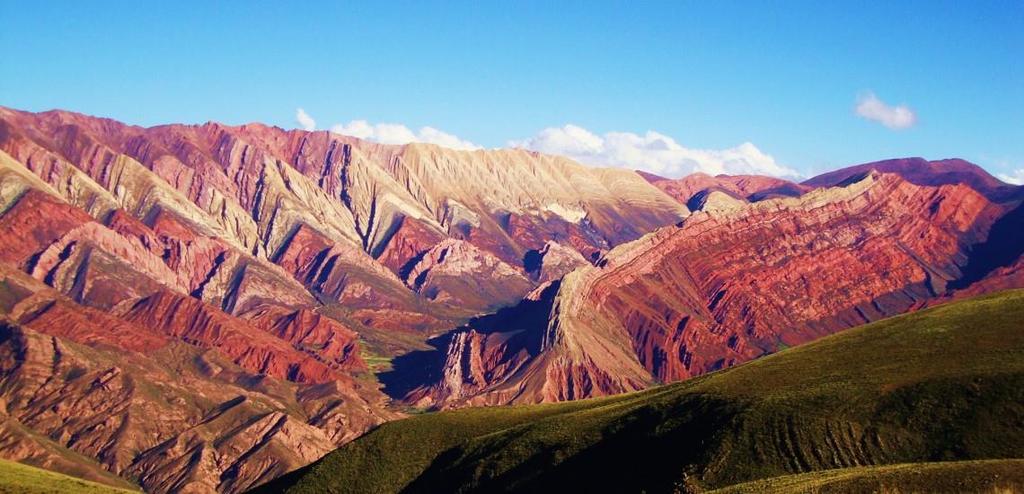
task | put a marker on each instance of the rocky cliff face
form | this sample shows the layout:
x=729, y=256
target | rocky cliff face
x=553, y=261
x=729, y=285
x=459, y=273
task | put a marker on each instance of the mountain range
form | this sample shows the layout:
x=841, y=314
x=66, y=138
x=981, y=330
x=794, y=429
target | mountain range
x=198, y=308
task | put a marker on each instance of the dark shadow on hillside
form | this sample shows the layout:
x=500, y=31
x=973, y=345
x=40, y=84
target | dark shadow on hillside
x=417, y=368
x=655, y=443
x=787, y=190
x=532, y=263
x=1004, y=245
x=527, y=315
x=420, y=368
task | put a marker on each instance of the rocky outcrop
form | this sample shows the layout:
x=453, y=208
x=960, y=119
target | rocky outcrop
x=193, y=321
x=21, y=444
x=552, y=262
x=484, y=353
x=714, y=200
x=37, y=220
x=325, y=339
x=49, y=171
x=340, y=272
x=36, y=306
x=192, y=429
x=410, y=240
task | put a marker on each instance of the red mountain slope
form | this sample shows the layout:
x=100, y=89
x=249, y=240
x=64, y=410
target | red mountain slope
x=725, y=287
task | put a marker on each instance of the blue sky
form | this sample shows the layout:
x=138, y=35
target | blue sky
x=784, y=76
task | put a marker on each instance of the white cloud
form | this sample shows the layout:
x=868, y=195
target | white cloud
x=390, y=133
x=895, y=117
x=432, y=135
x=1016, y=177
x=651, y=152
x=304, y=120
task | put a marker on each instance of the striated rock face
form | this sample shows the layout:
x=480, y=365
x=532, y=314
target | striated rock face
x=57, y=316
x=457, y=273
x=323, y=338
x=195, y=428
x=410, y=240
x=193, y=321
x=728, y=286
x=341, y=216
x=478, y=195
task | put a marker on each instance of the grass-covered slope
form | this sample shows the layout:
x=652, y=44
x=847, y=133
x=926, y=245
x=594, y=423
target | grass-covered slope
x=24, y=479
x=941, y=477
x=937, y=385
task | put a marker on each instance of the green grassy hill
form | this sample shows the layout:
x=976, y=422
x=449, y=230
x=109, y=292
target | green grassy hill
x=942, y=384
x=941, y=477
x=24, y=479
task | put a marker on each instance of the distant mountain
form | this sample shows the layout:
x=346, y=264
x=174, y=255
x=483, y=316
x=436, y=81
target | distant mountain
x=695, y=189
x=923, y=172
x=935, y=386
